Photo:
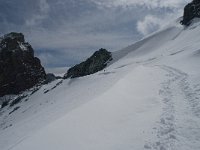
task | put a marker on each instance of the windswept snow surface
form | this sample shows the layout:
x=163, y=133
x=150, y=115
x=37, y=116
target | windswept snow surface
x=147, y=98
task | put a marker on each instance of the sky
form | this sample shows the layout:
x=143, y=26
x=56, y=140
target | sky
x=65, y=32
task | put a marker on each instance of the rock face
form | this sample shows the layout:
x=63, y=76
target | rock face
x=191, y=11
x=98, y=61
x=50, y=77
x=19, y=69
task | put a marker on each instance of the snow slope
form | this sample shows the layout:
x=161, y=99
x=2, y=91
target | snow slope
x=147, y=98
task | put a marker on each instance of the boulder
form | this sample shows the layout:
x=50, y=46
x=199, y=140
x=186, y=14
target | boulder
x=19, y=69
x=98, y=61
x=191, y=11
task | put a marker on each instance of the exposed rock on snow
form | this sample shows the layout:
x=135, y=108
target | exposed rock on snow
x=191, y=11
x=98, y=61
x=51, y=77
x=19, y=69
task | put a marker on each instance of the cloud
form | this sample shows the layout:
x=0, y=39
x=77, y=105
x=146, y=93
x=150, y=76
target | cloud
x=149, y=24
x=151, y=4
x=68, y=31
x=42, y=13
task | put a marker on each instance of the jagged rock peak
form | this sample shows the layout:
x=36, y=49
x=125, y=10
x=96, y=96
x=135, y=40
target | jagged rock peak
x=98, y=61
x=14, y=36
x=15, y=41
x=191, y=11
x=19, y=69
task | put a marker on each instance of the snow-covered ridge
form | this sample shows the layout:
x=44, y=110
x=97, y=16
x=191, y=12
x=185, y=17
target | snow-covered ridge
x=147, y=98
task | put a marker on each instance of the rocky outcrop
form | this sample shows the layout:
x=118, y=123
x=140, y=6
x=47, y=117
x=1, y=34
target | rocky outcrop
x=191, y=11
x=50, y=77
x=98, y=61
x=19, y=69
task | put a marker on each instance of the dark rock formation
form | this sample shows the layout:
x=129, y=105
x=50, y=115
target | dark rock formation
x=50, y=77
x=19, y=69
x=98, y=61
x=191, y=11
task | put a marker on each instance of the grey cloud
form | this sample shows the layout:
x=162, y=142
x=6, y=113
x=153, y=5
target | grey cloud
x=42, y=13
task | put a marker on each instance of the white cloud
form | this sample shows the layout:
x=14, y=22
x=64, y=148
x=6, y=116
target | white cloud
x=148, y=24
x=151, y=23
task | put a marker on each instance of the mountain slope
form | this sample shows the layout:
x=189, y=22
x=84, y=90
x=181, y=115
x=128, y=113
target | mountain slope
x=147, y=98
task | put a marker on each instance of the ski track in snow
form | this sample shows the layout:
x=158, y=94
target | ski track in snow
x=179, y=124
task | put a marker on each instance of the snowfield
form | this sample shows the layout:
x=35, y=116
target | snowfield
x=147, y=98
